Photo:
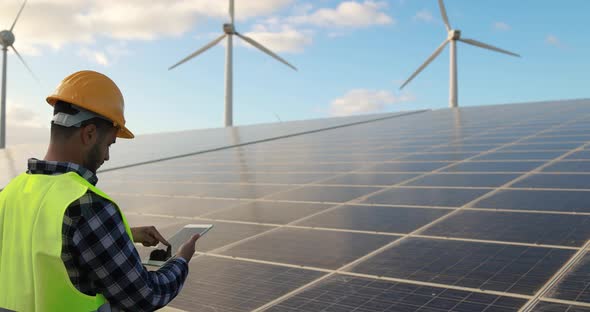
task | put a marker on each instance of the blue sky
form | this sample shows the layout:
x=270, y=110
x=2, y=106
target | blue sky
x=352, y=56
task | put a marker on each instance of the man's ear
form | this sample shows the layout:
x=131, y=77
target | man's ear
x=89, y=134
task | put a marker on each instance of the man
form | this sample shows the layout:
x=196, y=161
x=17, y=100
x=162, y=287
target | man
x=64, y=244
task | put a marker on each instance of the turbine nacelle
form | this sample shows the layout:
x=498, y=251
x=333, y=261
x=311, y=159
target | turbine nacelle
x=229, y=29
x=454, y=34
x=6, y=38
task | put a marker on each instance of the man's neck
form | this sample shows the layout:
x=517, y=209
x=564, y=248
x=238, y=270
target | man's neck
x=63, y=153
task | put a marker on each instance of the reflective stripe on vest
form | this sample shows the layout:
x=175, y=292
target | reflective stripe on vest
x=33, y=276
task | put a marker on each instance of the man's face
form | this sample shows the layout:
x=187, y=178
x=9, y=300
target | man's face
x=99, y=152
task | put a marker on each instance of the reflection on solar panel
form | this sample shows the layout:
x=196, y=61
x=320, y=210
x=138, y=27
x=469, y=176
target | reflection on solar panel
x=474, y=209
x=346, y=293
x=544, y=306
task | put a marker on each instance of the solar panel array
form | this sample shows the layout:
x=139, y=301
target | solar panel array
x=13, y=158
x=474, y=209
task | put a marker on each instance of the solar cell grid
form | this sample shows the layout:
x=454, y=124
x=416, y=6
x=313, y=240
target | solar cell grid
x=575, y=285
x=542, y=146
x=546, y=138
x=485, y=140
x=227, y=285
x=464, y=180
x=463, y=148
x=520, y=155
x=438, y=197
x=438, y=156
x=568, y=132
x=585, y=154
x=515, y=269
x=239, y=191
x=565, y=201
x=377, y=179
x=269, y=212
x=314, y=248
x=548, y=180
x=568, y=166
x=548, y=229
x=558, y=307
x=344, y=293
x=406, y=166
x=323, y=193
x=375, y=218
x=494, y=166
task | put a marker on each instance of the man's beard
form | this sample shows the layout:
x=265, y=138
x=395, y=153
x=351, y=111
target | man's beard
x=93, y=161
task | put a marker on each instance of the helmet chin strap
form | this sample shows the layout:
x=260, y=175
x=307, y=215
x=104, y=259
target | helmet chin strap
x=76, y=120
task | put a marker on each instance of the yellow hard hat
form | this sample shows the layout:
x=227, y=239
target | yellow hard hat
x=94, y=92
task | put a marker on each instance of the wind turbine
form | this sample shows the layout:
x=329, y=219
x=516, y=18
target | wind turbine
x=7, y=40
x=229, y=31
x=454, y=35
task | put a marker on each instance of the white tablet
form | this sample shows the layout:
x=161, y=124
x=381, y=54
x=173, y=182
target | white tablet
x=160, y=255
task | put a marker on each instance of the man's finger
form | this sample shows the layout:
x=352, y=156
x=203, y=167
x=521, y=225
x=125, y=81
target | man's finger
x=195, y=237
x=159, y=237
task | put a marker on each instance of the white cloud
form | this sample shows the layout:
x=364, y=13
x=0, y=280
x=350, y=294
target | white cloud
x=502, y=26
x=294, y=33
x=347, y=14
x=424, y=15
x=19, y=115
x=55, y=23
x=244, y=9
x=301, y=9
x=97, y=57
x=359, y=101
x=287, y=39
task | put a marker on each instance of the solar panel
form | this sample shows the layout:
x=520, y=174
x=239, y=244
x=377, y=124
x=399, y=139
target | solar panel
x=474, y=209
x=545, y=306
x=172, y=145
x=346, y=293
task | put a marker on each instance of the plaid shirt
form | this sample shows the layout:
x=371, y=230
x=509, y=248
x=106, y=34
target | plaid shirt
x=100, y=257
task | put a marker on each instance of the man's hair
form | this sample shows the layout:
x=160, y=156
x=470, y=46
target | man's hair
x=59, y=132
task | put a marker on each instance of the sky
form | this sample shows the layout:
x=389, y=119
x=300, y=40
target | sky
x=352, y=56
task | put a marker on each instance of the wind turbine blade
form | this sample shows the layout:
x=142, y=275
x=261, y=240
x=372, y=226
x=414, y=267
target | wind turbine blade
x=231, y=10
x=18, y=15
x=430, y=59
x=443, y=12
x=487, y=46
x=24, y=63
x=265, y=50
x=199, y=51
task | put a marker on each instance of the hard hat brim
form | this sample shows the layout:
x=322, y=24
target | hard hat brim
x=124, y=133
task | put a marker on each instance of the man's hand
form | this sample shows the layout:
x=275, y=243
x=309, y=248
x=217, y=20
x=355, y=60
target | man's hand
x=187, y=250
x=148, y=236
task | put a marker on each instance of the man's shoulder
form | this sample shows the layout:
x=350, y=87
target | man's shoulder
x=91, y=205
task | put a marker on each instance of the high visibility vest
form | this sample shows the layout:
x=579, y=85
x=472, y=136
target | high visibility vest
x=33, y=276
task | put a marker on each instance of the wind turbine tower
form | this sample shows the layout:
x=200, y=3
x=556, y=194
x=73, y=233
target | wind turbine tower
x=454, y=35
x=229, y=31
x=7, y=41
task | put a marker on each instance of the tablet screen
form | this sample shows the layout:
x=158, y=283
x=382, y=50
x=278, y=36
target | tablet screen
x=160, y=255
x=186, y=233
